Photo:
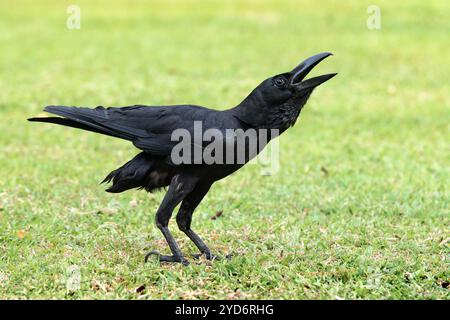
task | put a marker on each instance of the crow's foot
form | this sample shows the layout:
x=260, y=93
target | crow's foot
x=211, y=257
x=164, y=258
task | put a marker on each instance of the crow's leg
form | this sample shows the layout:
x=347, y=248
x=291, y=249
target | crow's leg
x=179, y=188
x=184, y=218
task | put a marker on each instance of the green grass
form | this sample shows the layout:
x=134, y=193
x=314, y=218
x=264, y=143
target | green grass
x=359, y=208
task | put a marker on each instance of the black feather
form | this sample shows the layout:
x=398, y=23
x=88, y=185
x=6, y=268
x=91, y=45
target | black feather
x=131, y=175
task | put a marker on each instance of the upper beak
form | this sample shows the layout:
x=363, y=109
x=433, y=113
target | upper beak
x=300, y=72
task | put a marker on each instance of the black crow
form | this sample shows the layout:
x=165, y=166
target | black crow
x=272, y=106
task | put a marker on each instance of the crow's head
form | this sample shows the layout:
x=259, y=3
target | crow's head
x=284, y=93
x=292, y=85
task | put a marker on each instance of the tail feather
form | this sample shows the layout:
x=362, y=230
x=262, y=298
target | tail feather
x=76, y=124
x=95, y=120
x=143, y=171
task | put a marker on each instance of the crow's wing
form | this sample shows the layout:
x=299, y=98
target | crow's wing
x=149, y=128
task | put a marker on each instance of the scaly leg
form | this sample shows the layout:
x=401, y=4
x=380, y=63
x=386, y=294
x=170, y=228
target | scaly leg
x=184, y=218
x=179, y=188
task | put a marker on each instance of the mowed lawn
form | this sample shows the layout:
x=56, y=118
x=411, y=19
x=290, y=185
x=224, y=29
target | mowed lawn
x=358, y=209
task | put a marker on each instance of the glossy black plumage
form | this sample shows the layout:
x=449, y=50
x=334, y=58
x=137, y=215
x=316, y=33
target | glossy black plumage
x=275, y=104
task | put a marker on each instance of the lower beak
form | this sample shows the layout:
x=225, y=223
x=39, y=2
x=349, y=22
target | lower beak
x=314, y=82
x=300, y=72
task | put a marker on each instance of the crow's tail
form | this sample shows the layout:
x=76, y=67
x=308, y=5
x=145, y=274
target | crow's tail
x=83, y=118
x=75, y=124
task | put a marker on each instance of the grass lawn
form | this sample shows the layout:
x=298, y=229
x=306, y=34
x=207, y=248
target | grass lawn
x=358, y=209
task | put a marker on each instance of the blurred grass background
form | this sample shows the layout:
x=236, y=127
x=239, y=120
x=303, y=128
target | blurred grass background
x=359, y=208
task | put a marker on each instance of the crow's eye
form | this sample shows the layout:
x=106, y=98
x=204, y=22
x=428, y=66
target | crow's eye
x=280, y=82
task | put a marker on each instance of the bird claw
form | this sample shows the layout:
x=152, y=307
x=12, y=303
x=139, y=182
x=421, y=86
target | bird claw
x=166, y=258
x=210, y=256
x=207, y=256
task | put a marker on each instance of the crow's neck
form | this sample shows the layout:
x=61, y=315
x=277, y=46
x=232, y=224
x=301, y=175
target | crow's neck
x=252, y=111
x=259, y=115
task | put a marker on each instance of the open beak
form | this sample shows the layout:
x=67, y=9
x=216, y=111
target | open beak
x=300, y=72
